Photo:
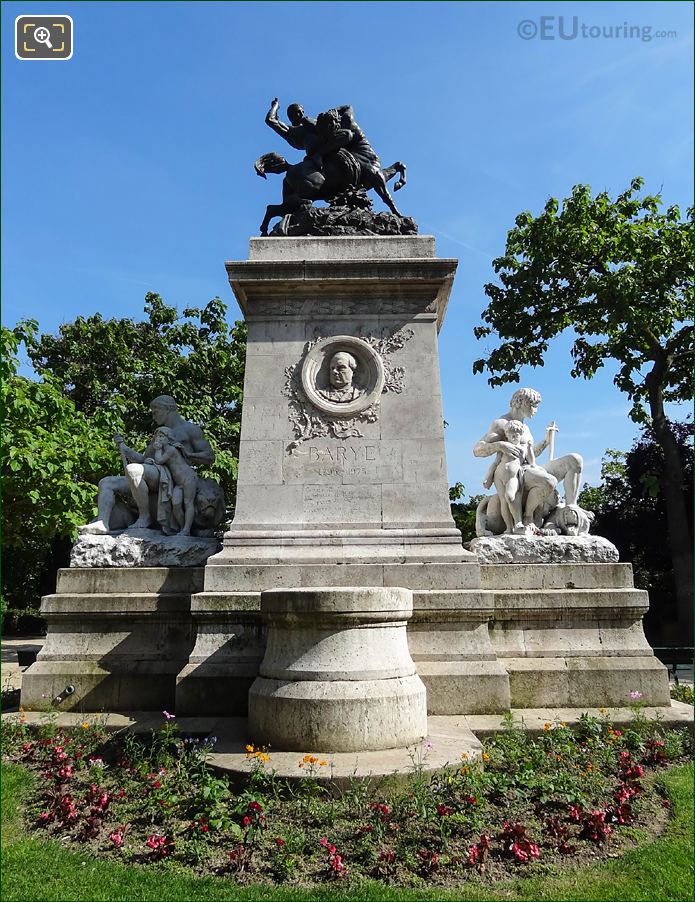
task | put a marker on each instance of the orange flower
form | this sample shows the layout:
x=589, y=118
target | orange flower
x=546, y=727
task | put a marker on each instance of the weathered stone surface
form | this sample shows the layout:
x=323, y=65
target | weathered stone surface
x=508, y=549
x=230, y=643
x=119, y=636
x=559, y=576
x=144, y=548
x=337, y=673
x=352, y=247
x=342, y=456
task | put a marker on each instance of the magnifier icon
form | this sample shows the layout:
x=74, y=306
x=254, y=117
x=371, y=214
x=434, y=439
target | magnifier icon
x=43, y=36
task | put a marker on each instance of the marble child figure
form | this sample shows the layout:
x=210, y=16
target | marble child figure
x=170, y=453
x=506, y=471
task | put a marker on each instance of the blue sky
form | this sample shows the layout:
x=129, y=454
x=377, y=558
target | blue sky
x=129, y=167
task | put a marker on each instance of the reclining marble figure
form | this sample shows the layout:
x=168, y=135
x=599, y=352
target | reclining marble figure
x=159, y=488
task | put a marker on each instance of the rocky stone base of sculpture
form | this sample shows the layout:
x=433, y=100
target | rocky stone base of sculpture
x=509, y=549
x=142, y=548
x=351, y=213
x=337, y=673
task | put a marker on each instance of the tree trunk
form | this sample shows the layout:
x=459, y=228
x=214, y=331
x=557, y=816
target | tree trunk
x=676, y=514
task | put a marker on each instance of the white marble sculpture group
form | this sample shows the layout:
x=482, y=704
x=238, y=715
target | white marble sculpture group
x=527, y=502
x=159, y=489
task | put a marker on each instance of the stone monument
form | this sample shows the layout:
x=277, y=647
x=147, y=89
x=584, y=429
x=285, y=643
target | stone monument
x=342, y=586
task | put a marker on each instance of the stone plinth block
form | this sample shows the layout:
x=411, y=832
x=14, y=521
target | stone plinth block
x=571, y=634
x=120, y=636
x=450, y=643
x=142, y=548
x=229, y=647
x=509, y=549
x=337, y=673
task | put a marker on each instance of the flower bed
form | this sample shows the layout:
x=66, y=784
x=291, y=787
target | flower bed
x=562, y=798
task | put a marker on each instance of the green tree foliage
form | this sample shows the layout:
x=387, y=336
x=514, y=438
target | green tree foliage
x=463, y=511
x=630, y=512
x=98, y=376
x=619, y=274
x=53, y=456
x=120, y=364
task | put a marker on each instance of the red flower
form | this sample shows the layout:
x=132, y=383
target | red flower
x=575, y=813
x=444, y=810
x=280, y=842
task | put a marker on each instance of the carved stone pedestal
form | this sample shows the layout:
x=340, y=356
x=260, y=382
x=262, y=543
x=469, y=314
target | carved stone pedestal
x=346, y=468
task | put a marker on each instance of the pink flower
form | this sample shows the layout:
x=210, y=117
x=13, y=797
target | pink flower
x=635, y=695
x=168, y=716
x=323, y=841
x=117, y=838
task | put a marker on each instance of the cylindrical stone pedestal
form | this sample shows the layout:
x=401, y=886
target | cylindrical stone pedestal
x=337, y=675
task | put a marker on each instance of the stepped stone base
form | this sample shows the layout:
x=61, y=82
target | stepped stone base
x=118, y=635
x=483, y=638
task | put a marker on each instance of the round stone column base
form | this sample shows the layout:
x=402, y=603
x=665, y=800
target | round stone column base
x=338, y=715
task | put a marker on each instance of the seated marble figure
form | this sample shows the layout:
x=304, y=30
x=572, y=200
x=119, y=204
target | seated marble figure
x=527, y=501
x=159, y=488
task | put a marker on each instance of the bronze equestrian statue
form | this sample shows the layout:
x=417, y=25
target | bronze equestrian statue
x=338, y=158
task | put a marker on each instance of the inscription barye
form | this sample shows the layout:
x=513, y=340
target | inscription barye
x=338, y=384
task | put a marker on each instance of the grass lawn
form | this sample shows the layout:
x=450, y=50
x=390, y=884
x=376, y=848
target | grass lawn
x=36, y=869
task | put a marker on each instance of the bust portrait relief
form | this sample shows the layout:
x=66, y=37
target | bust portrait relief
x=341, y=373
x=342, y=376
